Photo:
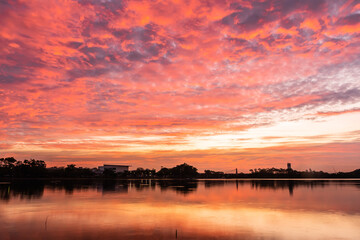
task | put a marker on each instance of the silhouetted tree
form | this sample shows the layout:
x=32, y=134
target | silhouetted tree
x=30, y=168
x=163, y=173
x=180, y=171
x=109, y=173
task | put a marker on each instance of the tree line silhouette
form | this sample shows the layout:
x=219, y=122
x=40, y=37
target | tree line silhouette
x=11, y=168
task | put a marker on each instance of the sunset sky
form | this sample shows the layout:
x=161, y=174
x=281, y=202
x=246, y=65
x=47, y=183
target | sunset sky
x=216, y=84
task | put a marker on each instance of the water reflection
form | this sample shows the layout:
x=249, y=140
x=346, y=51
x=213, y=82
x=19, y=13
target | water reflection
x=186, y=209
x=23, y=190
x=180, y=186
x=34, y=188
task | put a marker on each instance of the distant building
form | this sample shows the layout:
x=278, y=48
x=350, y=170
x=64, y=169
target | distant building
x=115, y=168
x=289, y=166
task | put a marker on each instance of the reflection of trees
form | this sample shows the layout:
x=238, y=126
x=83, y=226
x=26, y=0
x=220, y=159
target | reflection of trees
x=22, y=190
x=290, y=185
x=283, y=184
x=214, y=183
x=35, y=189
x=180, y=186
x=122, y=186
x=113, y=186
x=287, y=184
x=69, y=186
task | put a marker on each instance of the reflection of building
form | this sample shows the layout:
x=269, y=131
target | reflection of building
x=289, y=166
x=115, y=168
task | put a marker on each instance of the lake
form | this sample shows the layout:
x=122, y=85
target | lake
x=169, y=209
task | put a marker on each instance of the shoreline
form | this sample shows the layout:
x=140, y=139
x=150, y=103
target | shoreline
x=184, y=179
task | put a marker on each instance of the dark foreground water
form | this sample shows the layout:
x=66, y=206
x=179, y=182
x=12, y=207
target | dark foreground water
x=204, y=209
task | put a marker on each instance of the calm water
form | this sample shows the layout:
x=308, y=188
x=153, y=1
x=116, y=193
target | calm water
x=204, y=209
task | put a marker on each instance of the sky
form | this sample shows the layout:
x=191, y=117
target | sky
x=218, y=84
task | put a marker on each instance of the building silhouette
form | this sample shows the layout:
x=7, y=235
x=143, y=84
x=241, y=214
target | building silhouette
x=115, y=168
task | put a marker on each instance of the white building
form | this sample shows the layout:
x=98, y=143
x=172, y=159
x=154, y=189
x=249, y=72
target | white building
x=115, y=168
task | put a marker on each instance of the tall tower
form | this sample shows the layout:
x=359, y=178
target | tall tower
x=289, y=166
